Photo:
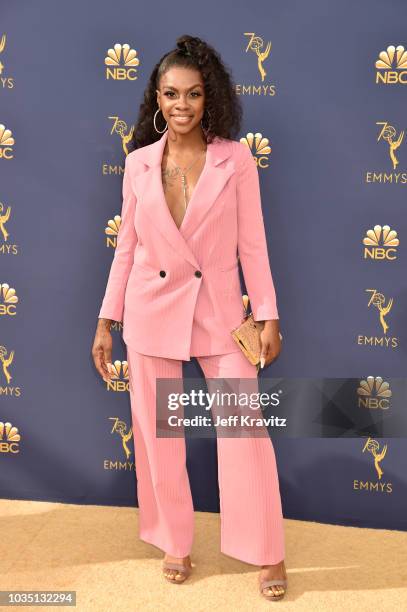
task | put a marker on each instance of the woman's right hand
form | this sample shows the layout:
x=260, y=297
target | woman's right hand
x=102, y=349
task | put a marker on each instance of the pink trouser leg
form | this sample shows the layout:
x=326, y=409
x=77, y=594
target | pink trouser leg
x=251, y=512
x=166, y=513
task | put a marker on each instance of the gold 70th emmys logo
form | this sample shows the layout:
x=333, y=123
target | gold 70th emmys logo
x=5, y=246
x=5, y=362
x=388, y=133
x=5, y=81
x=2, y=47
x=256, y=44
x=120, y=127
x=6, y=359
x=261, y=50
x=377, y=486
x=373, y=447
x=3, y=219
x=125, y=434
x=379, y=300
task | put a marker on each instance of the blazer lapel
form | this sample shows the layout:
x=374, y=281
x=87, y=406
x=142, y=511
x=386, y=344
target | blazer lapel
x=148, y=187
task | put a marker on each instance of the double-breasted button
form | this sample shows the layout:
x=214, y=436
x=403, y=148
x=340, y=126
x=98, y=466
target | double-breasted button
x=198, y=273
x=162, y=273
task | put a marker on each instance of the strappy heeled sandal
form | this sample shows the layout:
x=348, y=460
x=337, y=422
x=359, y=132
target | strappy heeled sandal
x=269, y=583
x=185, y=570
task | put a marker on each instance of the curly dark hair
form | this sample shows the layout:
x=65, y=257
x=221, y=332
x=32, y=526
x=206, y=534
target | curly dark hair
x=223, y=110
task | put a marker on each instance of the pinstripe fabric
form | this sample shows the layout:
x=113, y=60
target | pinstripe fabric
x=251, y=513
x=164, y=496
x=178, y=291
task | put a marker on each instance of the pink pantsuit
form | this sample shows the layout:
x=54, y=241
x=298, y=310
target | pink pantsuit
x=178, y=294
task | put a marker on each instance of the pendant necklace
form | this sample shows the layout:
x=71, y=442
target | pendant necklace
x=183, y=175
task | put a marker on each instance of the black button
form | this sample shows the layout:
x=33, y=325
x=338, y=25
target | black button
x=198, y=273
x=162, y=273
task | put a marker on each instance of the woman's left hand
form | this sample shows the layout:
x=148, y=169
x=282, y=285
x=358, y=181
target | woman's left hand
x=270, y=342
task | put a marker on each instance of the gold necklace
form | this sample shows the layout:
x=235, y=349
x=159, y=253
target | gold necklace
x=183, y=175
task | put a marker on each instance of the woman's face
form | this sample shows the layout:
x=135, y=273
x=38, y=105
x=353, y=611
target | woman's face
x=181, y=98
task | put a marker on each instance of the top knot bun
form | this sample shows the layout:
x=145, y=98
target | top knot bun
x=189, y=44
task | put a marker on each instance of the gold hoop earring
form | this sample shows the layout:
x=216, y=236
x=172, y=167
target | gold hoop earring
x=166, y=124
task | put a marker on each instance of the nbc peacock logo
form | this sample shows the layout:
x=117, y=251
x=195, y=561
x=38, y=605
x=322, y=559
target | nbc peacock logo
x=112, y=230
x=374, y=393
x=121, y=63
x=6, y=143
x=9, y=438
x=120, y=376
x=392, y=66
x=8, y=300
x=380, y=243
x=259, y=147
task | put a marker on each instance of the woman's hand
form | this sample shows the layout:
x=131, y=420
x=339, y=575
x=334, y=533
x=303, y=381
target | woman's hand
x=270, y=342
x=102, y=349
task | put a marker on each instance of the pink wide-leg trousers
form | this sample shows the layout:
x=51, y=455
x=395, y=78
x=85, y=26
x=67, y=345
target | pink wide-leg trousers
x=250, y=503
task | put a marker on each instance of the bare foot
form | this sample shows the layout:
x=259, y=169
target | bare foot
x=175, y=574
x=273, y=572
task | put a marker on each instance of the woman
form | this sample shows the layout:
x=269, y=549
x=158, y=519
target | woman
x=191, y=204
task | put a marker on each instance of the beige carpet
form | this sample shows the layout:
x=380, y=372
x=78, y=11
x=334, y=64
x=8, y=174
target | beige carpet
x=95, y=551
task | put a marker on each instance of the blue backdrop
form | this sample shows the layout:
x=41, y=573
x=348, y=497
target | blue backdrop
x=329, y=101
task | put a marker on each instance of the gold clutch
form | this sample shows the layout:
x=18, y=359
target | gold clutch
x=247, y=335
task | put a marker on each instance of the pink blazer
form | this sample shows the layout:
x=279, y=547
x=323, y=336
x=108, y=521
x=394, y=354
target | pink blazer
x=177, y=291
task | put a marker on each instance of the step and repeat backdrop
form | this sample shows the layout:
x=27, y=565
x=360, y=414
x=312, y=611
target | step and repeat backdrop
x=324, y=89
